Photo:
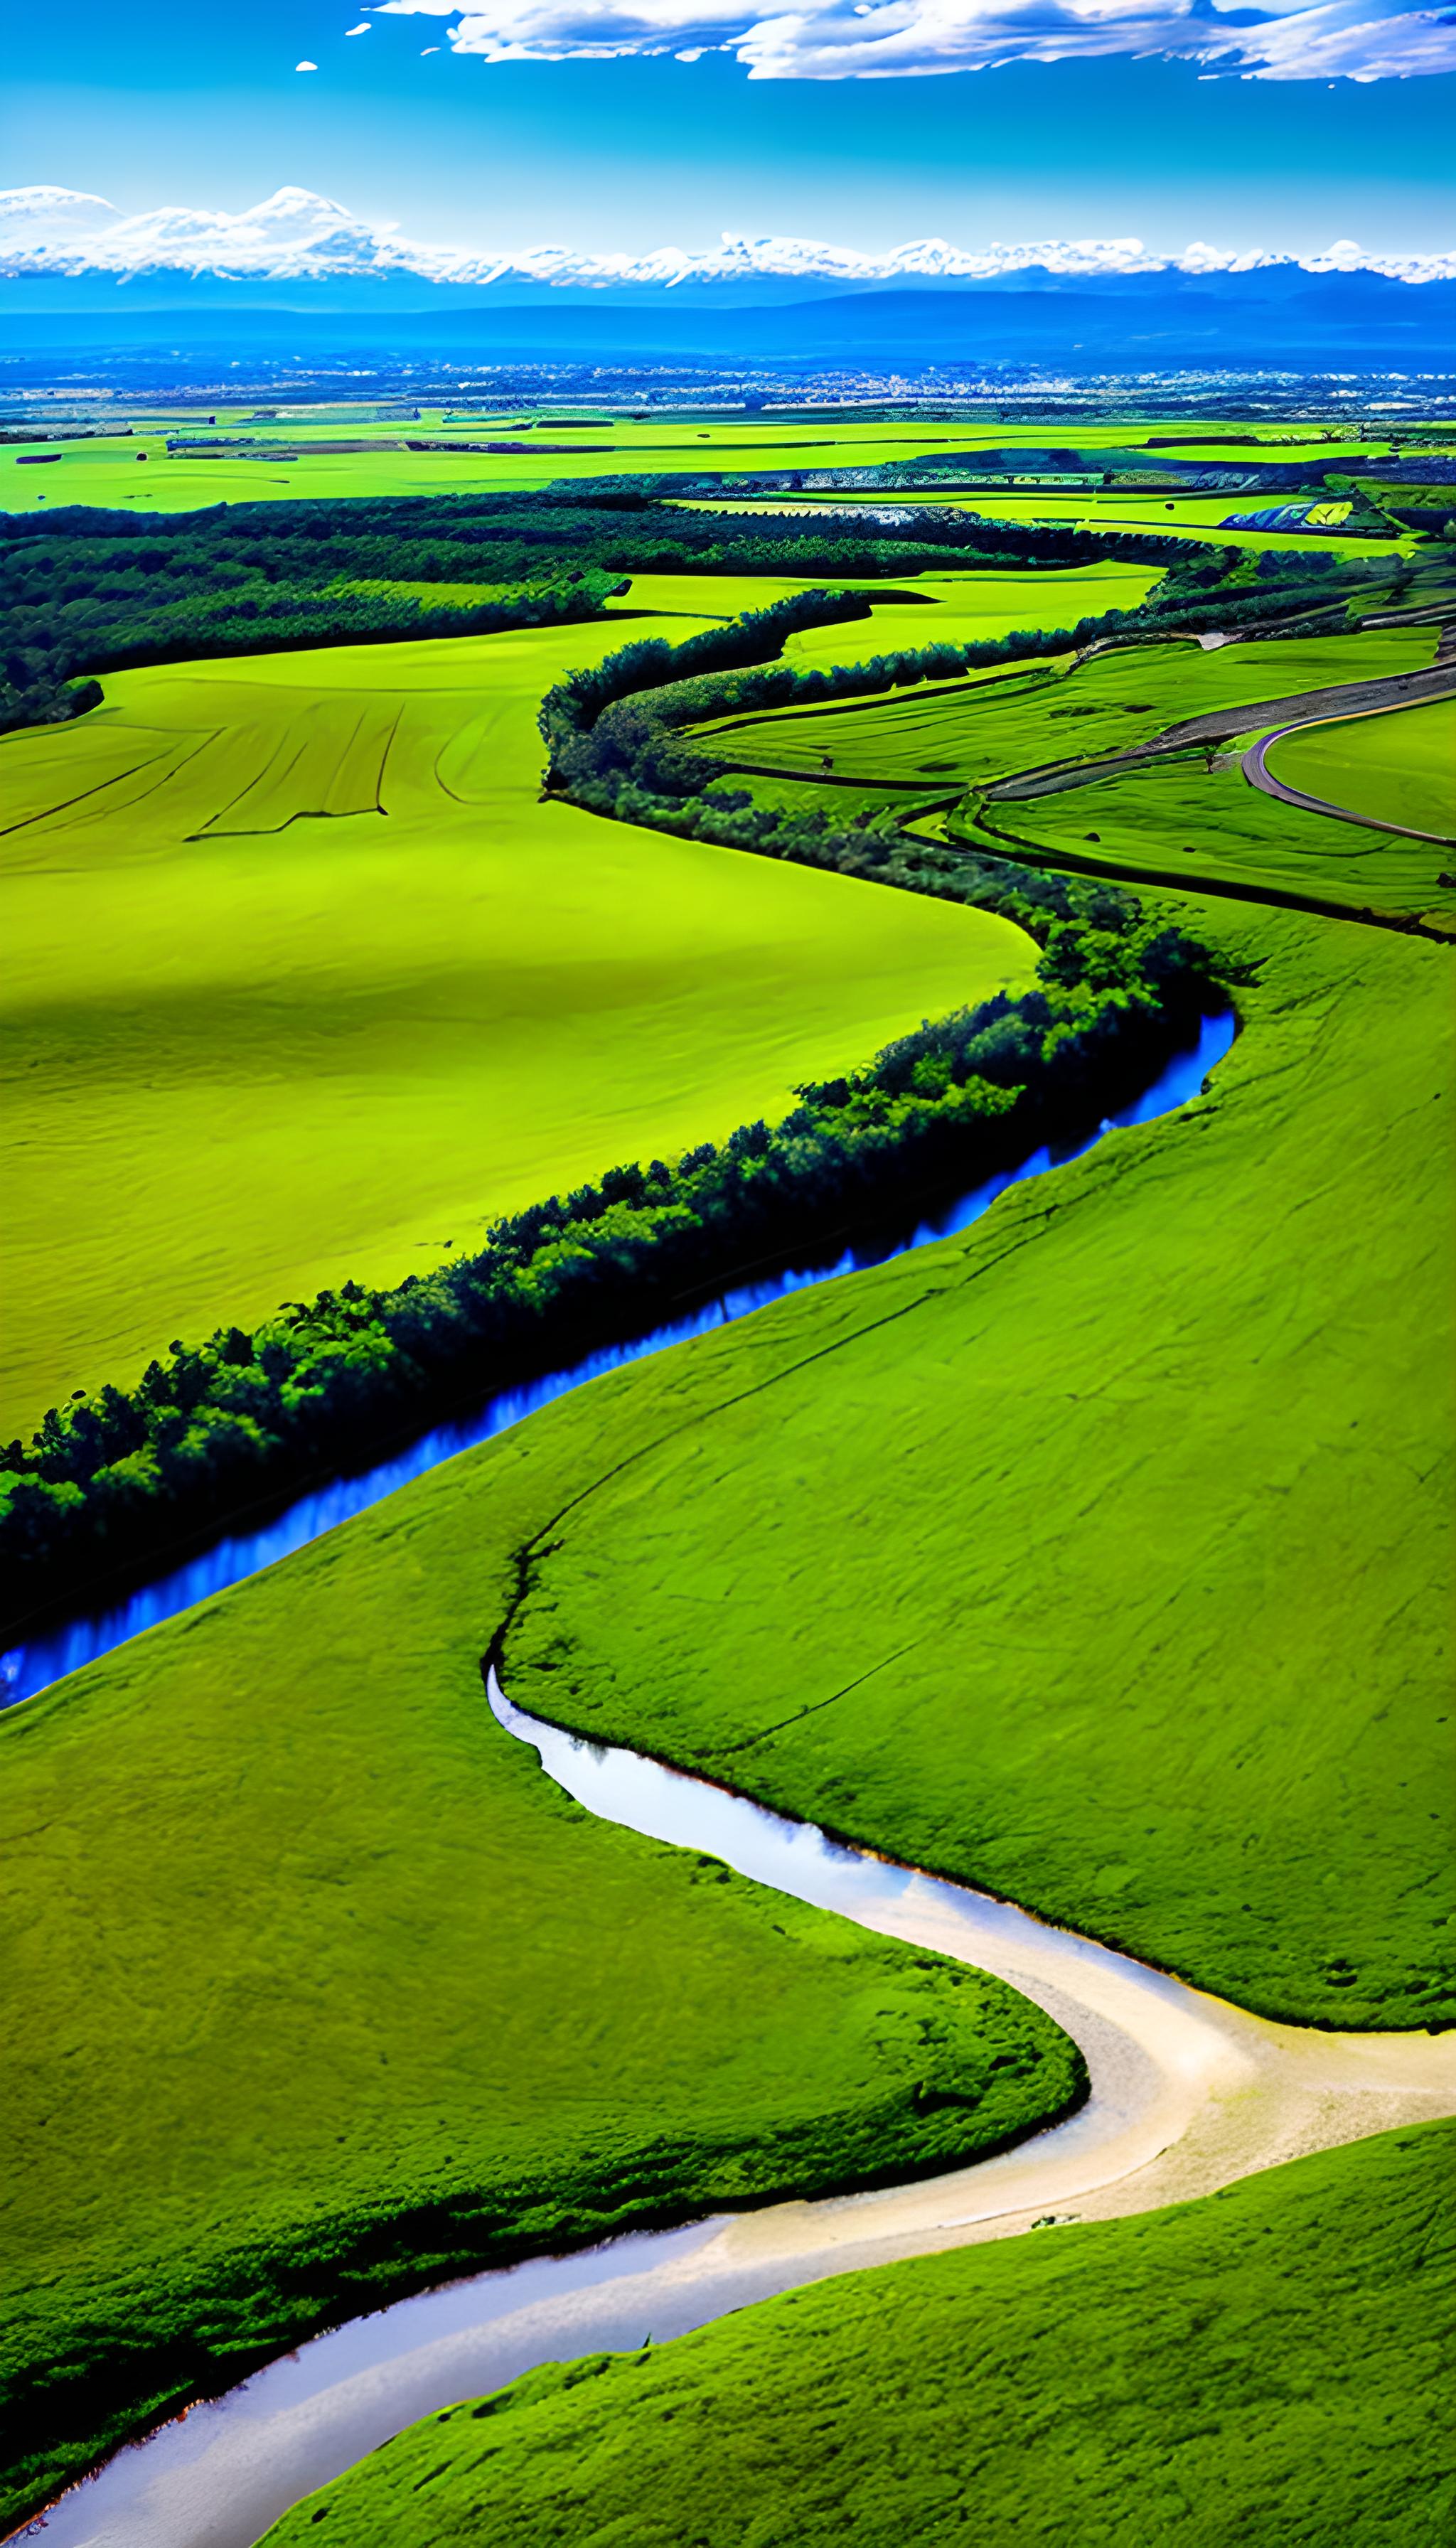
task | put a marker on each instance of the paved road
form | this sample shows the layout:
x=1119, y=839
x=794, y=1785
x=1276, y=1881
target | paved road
x=1258, y=775
x=1300, y=707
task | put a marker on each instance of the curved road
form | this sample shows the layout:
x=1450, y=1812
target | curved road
x=1258, y=775
x=1187, y=2094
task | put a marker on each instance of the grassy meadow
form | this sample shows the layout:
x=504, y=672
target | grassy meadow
x=334, y=1995
x=968, y=1557
x=1186, y=518
x=1097, y=1556
x=966, y=733
x=304, y=983
x=1197, y=815
x=1257, y=2366
x=1399, y=767
x=289, y=457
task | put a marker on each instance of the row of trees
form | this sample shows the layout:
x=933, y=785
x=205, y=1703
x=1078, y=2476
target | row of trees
x=85, y=590
x=111, y=1481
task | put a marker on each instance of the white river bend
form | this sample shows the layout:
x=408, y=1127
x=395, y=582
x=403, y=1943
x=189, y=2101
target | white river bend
x=1187, y=2094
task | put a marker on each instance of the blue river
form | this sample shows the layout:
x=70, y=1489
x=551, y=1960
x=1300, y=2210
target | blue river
x=45, y=1659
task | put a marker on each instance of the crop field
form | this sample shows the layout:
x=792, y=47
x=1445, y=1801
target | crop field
x=971, y=732
x=1271, y=2354
x=1399, y=768
x=1207, y=821
x=1184, y=517
x=1097, y=1556
x=303, y=983
x=1194, y=816
x=961, y=609
x=289, y=457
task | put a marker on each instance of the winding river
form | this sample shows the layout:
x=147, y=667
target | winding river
x=1187, y=2093
x=42, y=1660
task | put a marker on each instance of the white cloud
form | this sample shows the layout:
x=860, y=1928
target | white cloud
x=363, y=29
x=49, y=229
x=306, y=66
x=1361, y=39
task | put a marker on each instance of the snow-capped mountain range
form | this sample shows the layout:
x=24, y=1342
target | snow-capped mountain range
x=301, y=238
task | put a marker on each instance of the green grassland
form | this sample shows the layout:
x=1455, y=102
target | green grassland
x=1196, y=813
x=304, y=983
x=962, y=610
x=104, y=470
x=1261, y=2366
x=1099, y=1555
x=313, y=1988
x=1186, y=518
x=1399, y=767
x=971, y=732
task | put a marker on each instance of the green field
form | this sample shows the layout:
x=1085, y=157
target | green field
x=1053, y=1485
x=1099, y=1555
x=1198, y=815
x=966, y=733
x=1399, y=768
x=334, y=1995
x=251, y=1051
x=1261, y=2366
x=289, y=462
x=1187, y=517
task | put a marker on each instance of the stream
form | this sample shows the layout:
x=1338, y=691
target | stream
x=48, y=1657
x=1187, y=2093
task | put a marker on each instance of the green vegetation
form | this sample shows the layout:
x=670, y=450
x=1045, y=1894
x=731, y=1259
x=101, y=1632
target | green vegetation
x=84, y=592
x=1263, y=2365
x=1173, y=1426
x=255, y=1054
x=967, y=735
x=1399, y=767
x=285, y=459
x=1096, y=1556
x=120, y=1479
x=333, y=1995
x=1195, y=815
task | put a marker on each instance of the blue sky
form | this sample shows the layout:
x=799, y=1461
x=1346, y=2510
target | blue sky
x=161, y=105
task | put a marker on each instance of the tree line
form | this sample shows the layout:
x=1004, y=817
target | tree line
x=111, y=1482
x=87, y=591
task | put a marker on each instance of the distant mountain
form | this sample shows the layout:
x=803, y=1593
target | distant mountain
x=76, y=271
x=298, y=236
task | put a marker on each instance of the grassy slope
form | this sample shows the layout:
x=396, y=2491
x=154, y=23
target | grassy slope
x=250, y=1051
x=974, y=731
x=1099, y=1555
x=1206, y=819
x=1400, y=768
x=313, y=1988
x=1263, y=2366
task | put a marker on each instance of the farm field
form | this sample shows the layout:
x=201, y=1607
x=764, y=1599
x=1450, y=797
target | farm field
x=1197, y=815
x=104, y=470
x=1012, y=720
x=1185, y=517
x=433, y=2014
x=1271, y=2353
x=961, y=609
x=1399, y=768
x=254, y=1051
x=1098, y=1556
